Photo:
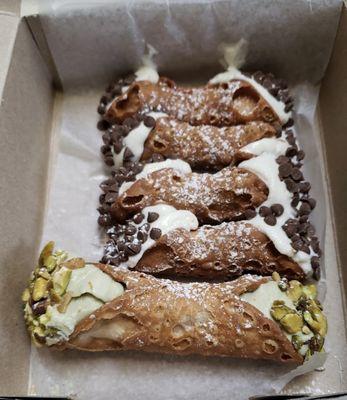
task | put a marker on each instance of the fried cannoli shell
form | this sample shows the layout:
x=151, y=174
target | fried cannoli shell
x=179, y=318
x=204, y=147
x=230, y=103
x=225, y=251
x=222, y=196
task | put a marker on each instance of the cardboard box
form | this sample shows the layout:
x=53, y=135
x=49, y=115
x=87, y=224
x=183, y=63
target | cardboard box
x=32, y=76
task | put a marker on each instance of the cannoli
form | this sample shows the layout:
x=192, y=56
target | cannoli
x=232, y=101
x=77, y=305
x=204, y=148
x=163, y=241
x=223, y=196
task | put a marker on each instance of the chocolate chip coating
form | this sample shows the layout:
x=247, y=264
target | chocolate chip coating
x=152, y=216
x=270, y=220
x=277, y=209
x=155, y=233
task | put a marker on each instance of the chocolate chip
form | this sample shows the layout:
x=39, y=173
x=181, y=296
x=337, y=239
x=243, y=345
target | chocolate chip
x=312, y=202
x=111, y=197
x=129, y=79
x=106, y=138
x=104, y=149
x=116, y=91
x=250, y=213
x=305, y=248
x=296, y=174
x=311, y=230
x=277, y=209
x=105, y=99
x=297, y=244
x=117, y=146
x=285, y=170
x=104, y=220
x=127, y=154
x=130, y=230
x=304, y=209
x=295, y=200
x=289, y=106
x=138, y=218
x=133, y=249
x=303, y=219
x=152, y=216
x=291, y=151
x=315, y=262
x=149, y=121
x=270, y=220
x=123, y=256
x=121, y=246
x=155, y=233
x=103, y=125
x=301, y=155
x=102, y=198
x=142, y=236
x=282, y=160
x=302, y=228
x=264, y=211
x=146, y=227
x=109, y=161
x=157, y=157
x=115, y=261
x=289, y=123
x=291, y=185
x=131, y=122
x=304, y=187
x=102, y=109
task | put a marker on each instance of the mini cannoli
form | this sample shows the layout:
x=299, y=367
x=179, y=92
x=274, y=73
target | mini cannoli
x=77, y=305
x=223, y=196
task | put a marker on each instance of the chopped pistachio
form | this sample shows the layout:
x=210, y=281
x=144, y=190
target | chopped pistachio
x=276, y=276
x=45, y=253
x=278, y=311
x=50, y=263
x=74, y=263
x=310, y=291
x=297, y=342
x=43, y=319
x=44, y=273
x=295, y=290
x=65, y=302
x=292, y=322
x=40, y=289
x=60, y=280
x=26, y=295
x=316, y=320
x=306, y=330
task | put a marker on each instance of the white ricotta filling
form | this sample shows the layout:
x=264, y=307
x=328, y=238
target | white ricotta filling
x=234, y=57
x=90, y=289
x=135, y=140
x=178, y=165
x=169, y=220
x=275, y=146
x=266, y=168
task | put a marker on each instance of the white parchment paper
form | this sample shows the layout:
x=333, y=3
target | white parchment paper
x=77, y=167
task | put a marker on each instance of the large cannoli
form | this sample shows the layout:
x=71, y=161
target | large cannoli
x=236, y=99
x=73, y=304
x=163, y=241
x=204, y=148
x=223, y=196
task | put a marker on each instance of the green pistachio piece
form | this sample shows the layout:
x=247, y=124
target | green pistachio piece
x=65, y=302
x=310, y=291
x=74, y=263
x=44, y=319
x=40, y=289
x=306, y=330
x=297, y=342
x=60, y=280
x=292, y=323
x=50, y=263
x=45, y=253
x=294, y=290
x=278, y=311
x=315, y=319
x=276, y=276
x=26, y=295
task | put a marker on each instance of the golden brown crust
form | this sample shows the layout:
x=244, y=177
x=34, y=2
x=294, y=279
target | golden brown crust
x=205, y=147
x=224, y=104
x=179, y=318
x=223, y=196
x=223, y=252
